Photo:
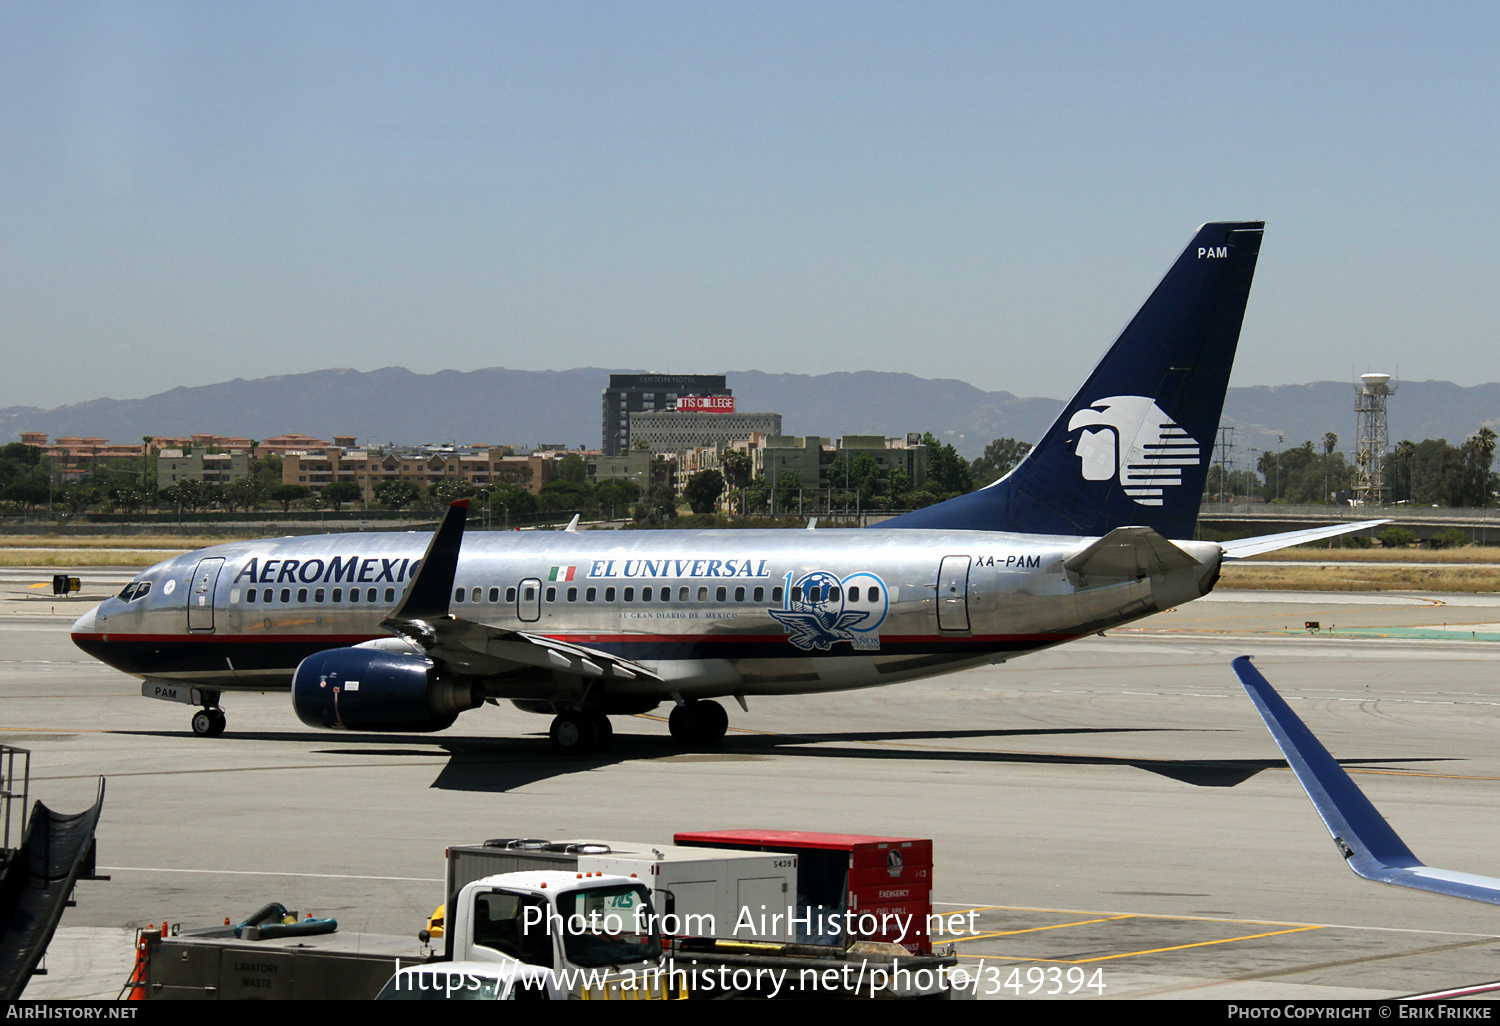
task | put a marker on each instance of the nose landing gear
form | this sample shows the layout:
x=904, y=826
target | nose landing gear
x=209, y=722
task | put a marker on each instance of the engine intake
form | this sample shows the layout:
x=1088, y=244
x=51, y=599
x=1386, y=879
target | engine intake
x=369, y=689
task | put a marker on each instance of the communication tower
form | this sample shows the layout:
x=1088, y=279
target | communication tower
x=1374, y=439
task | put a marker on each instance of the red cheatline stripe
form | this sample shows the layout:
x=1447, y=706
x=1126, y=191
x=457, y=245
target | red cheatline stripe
x=582, y=639
x=339, y=639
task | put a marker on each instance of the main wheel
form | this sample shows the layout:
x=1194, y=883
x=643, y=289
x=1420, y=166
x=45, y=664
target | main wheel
x=219, y=722
x=698, y=723
x=203, y=723
x=573, y=734
x=713, y=722
x=605, y=731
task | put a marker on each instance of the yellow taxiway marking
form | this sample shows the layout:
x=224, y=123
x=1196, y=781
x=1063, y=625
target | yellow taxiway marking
x=1149, y=951
x=1037, y=929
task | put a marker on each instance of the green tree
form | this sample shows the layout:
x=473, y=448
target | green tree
x=703, y=489
x=948, y=473
x=510, y=501
x=286, y=494
x=858, y=475
x=657, y=506
x=616, y=495
x=396, y=494
x=340, y=492
x=1000, y=458
x=573, y=469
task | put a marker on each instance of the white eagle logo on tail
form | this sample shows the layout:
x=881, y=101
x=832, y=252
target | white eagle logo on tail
x=1137, y=442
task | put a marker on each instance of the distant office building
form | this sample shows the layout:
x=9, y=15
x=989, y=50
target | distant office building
x=481, y=466
x=174, y=465
x=640, y=393
x=809, y=458
x=668, y=432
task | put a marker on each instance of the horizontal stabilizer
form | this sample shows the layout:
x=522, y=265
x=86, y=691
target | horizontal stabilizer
x=1242, y=547
x=1364, y=838
x=1130, y=552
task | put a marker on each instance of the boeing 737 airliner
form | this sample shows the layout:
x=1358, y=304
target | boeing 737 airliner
x=396, y=632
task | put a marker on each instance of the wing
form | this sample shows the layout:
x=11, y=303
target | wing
x=1271, y=542
x=1364, y=838
x=483, y=649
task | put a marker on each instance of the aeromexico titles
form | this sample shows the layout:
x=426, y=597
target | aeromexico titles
x=403, y=632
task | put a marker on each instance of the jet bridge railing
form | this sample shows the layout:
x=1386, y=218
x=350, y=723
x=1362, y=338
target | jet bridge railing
x=15, y=793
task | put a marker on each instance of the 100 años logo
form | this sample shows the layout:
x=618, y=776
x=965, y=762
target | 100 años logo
x=820, y=610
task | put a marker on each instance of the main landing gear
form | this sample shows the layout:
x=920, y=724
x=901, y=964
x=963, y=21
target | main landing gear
x=698, y=724
x=209, y=722
x=580, y=733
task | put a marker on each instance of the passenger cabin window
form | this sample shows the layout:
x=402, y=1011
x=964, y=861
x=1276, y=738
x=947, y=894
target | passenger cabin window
x=775, y=594
x=551, y=594
x=854, y=594
x=302, y=595
x=721, y=594
x=250, y=597
x=510, y=594
x=645, y=594
x=629, y=594
x=390, y=594
x=477, y=594
x=286, y=595
x=338, y=594
x=458, y=594
x=370, y=594
x=609, y=594
x=589, y=594
x=874, y=594
x=494, y=594
x=760, y=595
x=796, y=593
x=572, y=594
x=318, y=595
x=682, y=594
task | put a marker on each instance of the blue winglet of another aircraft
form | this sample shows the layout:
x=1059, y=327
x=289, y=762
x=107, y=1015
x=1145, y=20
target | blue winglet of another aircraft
x=1364, y=838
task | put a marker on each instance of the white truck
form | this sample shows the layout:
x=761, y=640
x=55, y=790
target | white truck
x=558, y=933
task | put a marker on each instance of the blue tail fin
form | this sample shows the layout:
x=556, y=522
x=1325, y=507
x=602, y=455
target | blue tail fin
x=1134, y=445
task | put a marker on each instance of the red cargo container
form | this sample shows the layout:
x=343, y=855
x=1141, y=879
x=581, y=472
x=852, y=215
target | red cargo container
x=849, y=876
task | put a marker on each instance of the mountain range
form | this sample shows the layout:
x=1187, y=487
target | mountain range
x=524, y=408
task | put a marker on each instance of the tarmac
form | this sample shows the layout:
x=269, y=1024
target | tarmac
x=1114, y=804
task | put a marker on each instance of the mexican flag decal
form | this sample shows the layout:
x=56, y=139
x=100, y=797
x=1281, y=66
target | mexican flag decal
x=561, y=573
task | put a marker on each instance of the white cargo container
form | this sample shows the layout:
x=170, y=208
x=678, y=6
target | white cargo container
x=709, y=892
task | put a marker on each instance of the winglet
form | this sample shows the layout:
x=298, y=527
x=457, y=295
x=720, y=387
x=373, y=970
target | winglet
x=432, y=589
x=1364, y=838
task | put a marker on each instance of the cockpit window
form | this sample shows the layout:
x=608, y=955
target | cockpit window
x=127, y=591
x=141, y=590
x=134, y=590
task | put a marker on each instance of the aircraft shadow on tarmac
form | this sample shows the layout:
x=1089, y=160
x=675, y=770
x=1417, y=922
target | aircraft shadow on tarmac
x=504, y=764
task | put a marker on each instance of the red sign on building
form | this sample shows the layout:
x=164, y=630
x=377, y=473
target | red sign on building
x=705, y=404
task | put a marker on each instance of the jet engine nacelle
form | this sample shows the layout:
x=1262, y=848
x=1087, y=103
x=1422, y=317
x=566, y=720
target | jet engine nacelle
x=369, y=689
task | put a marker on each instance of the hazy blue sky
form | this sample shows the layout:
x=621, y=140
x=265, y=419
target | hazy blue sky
x=192, y=192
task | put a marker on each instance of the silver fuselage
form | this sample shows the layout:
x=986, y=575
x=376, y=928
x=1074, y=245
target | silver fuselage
x=711, y=612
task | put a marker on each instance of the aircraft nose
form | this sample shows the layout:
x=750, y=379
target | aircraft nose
x=85, y=623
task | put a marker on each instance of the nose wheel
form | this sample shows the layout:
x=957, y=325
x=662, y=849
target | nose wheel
x=209, y=722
